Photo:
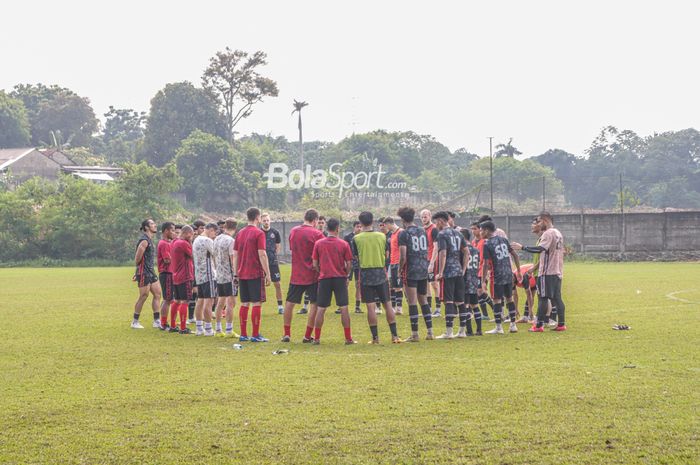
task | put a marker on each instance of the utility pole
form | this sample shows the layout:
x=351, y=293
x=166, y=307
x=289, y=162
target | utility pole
x=544, y=197
x=491, y=168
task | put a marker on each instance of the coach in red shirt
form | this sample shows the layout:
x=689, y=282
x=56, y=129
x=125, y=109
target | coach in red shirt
x=332, y=258
x=253, y=273
x=304, y=278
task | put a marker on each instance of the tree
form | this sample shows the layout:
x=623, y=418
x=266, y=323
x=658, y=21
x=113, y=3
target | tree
x=14, y=124
x=57, y=116
x=212, y=172
x=176, y=111
x=507, y=150
x=234, y=81
x=297, y=109
x=123, y=124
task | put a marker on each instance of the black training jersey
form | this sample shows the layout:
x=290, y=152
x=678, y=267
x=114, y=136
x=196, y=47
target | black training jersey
x=497, y=249
x=388, y=247
x=355, y=262
x=452, y=242
x=416, y=242
x=272, y=238
x=146, y=265
x=471, y=276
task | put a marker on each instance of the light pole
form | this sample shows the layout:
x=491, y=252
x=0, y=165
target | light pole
x=491, y=168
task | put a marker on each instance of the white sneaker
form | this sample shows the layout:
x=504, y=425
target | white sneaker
x=199, y=332
x=209, y=333
x=495, y=330
x=552, y=323
x=462, y=333
x=156, y=324
x=513, y=328
x=445, y=336
x=191, y=321
x=136, y=325
x=378, y=311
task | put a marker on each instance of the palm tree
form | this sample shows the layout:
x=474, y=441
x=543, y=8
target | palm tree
x=297, y=109
x=507, y=150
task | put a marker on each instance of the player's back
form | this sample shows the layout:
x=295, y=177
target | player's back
x=416, y=242
x=497, y=249
x=249, y=241
x=301, y=243
x=371, y=249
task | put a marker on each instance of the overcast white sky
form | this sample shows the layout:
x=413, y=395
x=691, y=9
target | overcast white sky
x=547, y=73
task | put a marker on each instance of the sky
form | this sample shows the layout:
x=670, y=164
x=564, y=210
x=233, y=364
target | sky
x=549, y=74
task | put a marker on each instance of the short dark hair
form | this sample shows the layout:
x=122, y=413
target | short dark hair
x=332, y=224
x=144, y=223
x=212, y=226
x=441, y=215
x=467, y=234
x=366, y=218
x=546, y=214
x=476, y=223
x=388, y=220
x=230, y=224
x=380, y=220
x=167, y=225
x=220, y=222
x=198, y=224
x=355, y=223
x=321, y=218
x=488, y=225
x=407, y=214
x=483, y=218
x=179, y=226
x=252, y=213
x=310, y=215
x=451, y=214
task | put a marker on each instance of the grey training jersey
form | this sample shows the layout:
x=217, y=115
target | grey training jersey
x=416, y=242
x=471, y=276
x=452, y=242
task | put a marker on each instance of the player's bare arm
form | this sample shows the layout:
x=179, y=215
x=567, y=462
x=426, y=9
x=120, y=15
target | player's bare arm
x=266, y=266
x=140, y=250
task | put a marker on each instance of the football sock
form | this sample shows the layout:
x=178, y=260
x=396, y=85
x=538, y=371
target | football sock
x=309, y=330
x=287, y=330
x=373, y=330
x=190, y=306
x=136, y=317
x=430, y=301
x=542, y=312
x=207, y=327
x=527, y=310
x=164, y=315
x=317, y=334
x=560, y=313
x=427, y=316
x=392, y=295
x=229, y=328
x=511, y=311
x=449, y=314
x=437, y=303
x=413, y=315
x=156, y=316
x=392, y=328
x=255, y=319
x=489, y=301
x=348, y=334
x=243, y=316
x=399, y=298
x=478, y=318
x=279, y=303
x=462, y=315
x=484, y=309
x=174, y=310
x=469, y=320
x=306, y=300
x=183, y=316
x=357, y=304
x=497, y=312
x=200, y=325
x=554, y=314
x=218, y=326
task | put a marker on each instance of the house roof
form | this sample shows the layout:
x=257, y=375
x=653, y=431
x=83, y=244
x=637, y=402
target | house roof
x=94, y=176
x=9, y=156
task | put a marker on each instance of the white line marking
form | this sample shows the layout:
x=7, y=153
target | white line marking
x=672, y=296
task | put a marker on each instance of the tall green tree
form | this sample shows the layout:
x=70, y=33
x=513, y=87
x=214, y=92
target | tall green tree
x=298, y=106
x=14, y=124
x=507, y=150
x=176, y=111
x=233, y=78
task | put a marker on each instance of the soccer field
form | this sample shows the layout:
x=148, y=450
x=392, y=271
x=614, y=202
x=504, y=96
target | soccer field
x=80, y=386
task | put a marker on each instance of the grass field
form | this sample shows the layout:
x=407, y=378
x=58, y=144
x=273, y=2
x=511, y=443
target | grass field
x=80, y=386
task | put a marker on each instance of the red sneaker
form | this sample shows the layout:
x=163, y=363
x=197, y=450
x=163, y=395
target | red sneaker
x=535, y=329
x=559, y=328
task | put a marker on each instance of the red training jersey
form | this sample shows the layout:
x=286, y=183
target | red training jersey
x=394, y=247
x=249, y=241
x=429, y=233
x=332, y=254
x=480, y=247
x=181, y=261
x=301, y=242
x=163, y=253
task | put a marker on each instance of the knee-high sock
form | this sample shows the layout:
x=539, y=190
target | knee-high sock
x=478, y=318
x=413, y=315
x=174, y=310
x=427, y=316
x=511, y=311
x=399, y=298
x=498, y=311
x=243, y=316
x=449, y=314
x=462, y=315
x=183, y=316
x=469, y=321
x=255, y=317
x=541, y=311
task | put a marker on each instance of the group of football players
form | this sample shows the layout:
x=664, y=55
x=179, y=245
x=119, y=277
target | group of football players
x=204, y=267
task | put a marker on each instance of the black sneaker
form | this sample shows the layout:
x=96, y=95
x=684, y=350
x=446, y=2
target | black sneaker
x=308, y=340
x=302, y=311
x=315, y=342
x=165, y=328
x=285, y=339
x=338, y=312
x=186, y=331
x=174, y=329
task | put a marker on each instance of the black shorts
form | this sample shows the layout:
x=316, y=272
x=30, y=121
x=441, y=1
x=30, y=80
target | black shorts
x=226, y=289
x=355, y=272
x=452, y=289
x=421, y=285
x=395, y=281
x=193, y=292
x=252, y=290
x=166, y=285
x=206, y=290
x=145, y=279
x=296, y=292
x=471, y=299
x=377, y=293
x=549, y=286
x=502, y=290
x=335, y=286
x=183, y=291
x=275, y=275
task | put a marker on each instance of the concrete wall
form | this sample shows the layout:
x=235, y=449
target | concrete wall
x=34, y=164
x=638, y=236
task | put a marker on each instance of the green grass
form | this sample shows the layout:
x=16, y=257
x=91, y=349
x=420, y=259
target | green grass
x=79, y=386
